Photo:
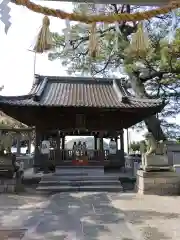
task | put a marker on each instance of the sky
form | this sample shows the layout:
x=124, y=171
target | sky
x=17, y=62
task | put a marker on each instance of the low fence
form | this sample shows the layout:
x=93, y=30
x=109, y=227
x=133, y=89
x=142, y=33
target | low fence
x=28, y=161
x=132, y=163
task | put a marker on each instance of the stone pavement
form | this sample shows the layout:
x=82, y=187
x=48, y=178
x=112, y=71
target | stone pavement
x=70, y=216
x=152, y=217
x=89, y=216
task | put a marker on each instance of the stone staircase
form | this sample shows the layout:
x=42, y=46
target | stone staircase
x=73, y=179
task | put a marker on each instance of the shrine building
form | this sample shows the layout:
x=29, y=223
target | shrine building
x=63, y=106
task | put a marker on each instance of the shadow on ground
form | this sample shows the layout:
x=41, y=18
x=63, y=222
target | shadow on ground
x=82, y=216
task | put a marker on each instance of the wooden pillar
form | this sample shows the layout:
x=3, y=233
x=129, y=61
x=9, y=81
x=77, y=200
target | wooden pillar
x=95, y=142
x=63, y=155
x=101, y=148
x=122, y=139
x=29, y=143
x=63, y=142
x=116, y=140
x=18, y=137
x=58, y=141
x=37, y=149
x=58, y=156
x=101, y=145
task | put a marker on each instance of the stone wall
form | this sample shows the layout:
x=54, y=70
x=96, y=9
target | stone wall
x=158, y=183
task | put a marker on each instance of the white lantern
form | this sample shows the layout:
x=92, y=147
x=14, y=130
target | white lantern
x=45, y=147
x=112, y=147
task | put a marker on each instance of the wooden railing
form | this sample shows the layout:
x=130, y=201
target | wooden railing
x=94, y=157
x=60, y=156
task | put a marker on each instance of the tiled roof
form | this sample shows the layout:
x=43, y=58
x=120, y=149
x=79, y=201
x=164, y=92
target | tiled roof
x=81, y=92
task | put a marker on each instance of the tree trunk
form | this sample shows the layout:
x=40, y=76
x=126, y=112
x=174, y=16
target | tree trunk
x=152, y=123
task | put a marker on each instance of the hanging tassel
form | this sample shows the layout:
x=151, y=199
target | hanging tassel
x=67, y=35
x=101, y=9
x=172, y=28
x=140, y=44
x=165, y=54
x=116, y=36
x=174, y=41
x=93, y=42
x=44, y=40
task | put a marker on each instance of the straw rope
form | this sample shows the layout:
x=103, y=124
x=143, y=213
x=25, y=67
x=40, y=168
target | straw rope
x=139, y=16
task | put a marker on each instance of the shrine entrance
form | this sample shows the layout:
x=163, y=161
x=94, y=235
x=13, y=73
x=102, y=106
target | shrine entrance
x=81, y=150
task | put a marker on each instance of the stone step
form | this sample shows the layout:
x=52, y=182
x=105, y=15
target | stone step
x=99, y=188
x=80, y=171
x=70, y=174
x=79, y=177
x=79, y=183
x=80, y=167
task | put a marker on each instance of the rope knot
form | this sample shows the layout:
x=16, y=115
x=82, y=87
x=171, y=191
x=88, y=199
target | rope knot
x=46, y=21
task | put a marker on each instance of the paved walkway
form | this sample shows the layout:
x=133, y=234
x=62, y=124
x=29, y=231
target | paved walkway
x=152, y=217
x=89, y=216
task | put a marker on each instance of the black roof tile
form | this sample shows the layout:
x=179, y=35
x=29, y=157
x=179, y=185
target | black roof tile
x=79, y=92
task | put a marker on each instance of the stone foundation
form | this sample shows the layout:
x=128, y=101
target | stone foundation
x=158, y=183
x=10, y=185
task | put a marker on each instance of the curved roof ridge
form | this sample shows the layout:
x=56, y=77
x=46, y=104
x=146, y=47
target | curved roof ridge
x=40, y=89
x=134, y=98
x=20, y=97
x=74, y=79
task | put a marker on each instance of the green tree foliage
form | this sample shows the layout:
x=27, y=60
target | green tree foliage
x=135, y=146
x=155, y=76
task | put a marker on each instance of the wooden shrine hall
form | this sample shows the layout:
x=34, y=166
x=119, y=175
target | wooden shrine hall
x=61, y=106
